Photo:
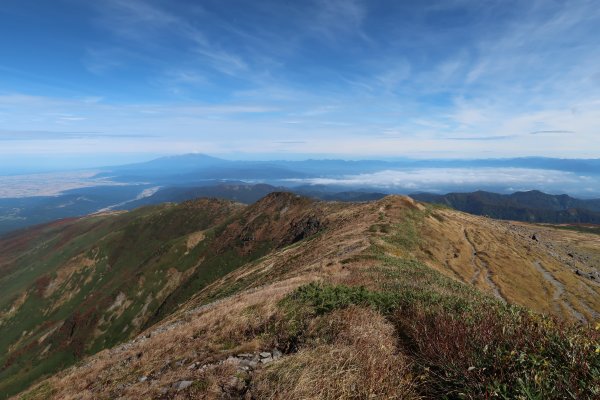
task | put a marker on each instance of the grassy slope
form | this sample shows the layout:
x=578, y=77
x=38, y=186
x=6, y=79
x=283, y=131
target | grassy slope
x=364, y=309
x=78, y=286
x=75, y=276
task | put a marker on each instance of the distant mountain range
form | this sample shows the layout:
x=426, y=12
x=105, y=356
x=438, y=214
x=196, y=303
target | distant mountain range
x=531, y=206
x=189, y=176
x=201, y=166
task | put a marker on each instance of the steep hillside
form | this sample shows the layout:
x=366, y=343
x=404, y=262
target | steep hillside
x=531, y=206
x=291, y=298
x=77, y=286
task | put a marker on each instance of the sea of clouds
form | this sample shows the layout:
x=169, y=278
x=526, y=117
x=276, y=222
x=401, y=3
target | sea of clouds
x=441, y=180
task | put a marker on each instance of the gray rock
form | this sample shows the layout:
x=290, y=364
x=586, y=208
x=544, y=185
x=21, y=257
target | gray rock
x=266, y=360
x=245, y=355
x=143, y=378
x=249, y=363
x=265, y=354
x=193, y=365
x=277, y=354
x=182, y=385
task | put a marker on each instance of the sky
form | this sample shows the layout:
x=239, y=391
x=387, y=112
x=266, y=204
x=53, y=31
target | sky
x=85, y=83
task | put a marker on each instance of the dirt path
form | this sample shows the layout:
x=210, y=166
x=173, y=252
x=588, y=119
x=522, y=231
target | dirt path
x=559, y=290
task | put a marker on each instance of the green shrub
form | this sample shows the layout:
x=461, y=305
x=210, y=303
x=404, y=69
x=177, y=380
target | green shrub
x=466, y=346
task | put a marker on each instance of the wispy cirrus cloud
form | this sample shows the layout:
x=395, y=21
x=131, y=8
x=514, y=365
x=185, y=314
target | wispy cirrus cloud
x=554, y=131
x=23, y=135
x=484, y=138
x=334, y=77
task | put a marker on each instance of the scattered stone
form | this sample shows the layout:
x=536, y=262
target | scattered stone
x=245, y=355
x=277, y=354
x=182, y=385
x=577, y=272
x=181, y=363
x=143, y=378
x=266, y=360
x=265, y=354
x=249, y=363
x=193, y=365
x=534, y=237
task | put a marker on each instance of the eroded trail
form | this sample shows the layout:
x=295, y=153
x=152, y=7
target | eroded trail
x=490, y=282
x=476, y=267
x=559, y=291
x=480, y=265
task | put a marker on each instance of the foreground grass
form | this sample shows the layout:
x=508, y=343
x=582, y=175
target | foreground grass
x=461, y=344
x=456, y=342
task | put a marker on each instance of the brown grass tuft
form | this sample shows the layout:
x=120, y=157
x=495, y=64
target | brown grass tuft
x=353, y=355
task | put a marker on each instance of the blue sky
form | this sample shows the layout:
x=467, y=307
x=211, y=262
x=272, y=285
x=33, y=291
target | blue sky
x=132, y=79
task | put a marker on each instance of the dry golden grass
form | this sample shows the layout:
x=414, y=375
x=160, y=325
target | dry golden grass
x=499, y=257
x=354, y=356
x=206, y=336
x=194, y=239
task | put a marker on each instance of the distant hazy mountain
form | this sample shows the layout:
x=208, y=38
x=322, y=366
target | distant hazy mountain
x=189, y=176
x=533, y=206
x=192, y=168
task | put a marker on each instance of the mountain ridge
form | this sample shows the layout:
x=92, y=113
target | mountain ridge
x=156, y=266
x=86, y=201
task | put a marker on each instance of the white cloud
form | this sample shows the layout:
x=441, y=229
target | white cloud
x=444, y=179
x=402, y=93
